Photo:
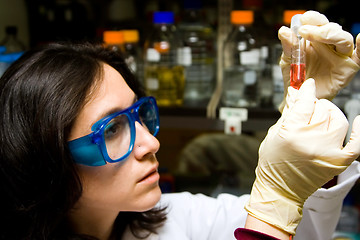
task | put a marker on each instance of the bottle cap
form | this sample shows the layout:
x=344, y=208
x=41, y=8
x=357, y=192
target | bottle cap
x=131, y=35
x=113, y=37
x=164, y=17
x=288, y=14
x=242, y=17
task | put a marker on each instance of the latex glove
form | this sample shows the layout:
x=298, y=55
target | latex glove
x=300, y=153
x=330, y=56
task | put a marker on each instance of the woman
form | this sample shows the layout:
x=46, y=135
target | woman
x=78, y=156
x=51, y=93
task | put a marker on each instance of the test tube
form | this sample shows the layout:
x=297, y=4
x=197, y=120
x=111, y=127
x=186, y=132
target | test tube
x=298, y=67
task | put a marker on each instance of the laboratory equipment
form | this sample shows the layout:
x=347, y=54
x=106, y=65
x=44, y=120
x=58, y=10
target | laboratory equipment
x=276, y=51
x=241, y=63
x=297, y=67
x=163, y=72
x=198, y=35
x=11, y=42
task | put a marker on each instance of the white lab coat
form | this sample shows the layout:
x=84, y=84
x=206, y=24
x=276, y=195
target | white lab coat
x=199, y=217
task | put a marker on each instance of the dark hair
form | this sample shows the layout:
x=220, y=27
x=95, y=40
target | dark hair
x=40, y=97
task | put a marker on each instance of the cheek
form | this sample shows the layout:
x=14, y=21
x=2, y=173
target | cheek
x=113, y=187
x=110, y=187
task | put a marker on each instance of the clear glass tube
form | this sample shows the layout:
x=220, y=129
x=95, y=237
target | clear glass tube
x=298, y=65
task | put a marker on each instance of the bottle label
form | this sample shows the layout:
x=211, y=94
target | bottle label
x=264, y=52
x=152, y=55
x=184, y=56
x=250, y=77
x=152, y=83
x=251, y=57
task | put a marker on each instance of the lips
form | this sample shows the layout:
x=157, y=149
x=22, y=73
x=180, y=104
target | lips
x=149, y=173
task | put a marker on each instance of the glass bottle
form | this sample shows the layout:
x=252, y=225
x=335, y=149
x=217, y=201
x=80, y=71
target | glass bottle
x=199, y=36
x=163, y=71
x=132, y=51
x=11, y=43
x=263, y=35
x=241, y=61
x=10, y=48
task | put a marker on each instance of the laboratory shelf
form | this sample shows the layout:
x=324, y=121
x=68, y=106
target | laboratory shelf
x=194, y=118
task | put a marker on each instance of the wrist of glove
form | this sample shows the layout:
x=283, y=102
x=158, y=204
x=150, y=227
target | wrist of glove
x=300, y=153
x=330, y=56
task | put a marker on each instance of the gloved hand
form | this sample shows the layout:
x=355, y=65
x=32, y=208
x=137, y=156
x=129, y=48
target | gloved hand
x=301, y=152
x=330, y=56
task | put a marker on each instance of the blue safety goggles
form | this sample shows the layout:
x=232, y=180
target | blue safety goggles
x=112, y=138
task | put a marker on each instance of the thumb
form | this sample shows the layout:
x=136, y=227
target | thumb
x=352, y=148
x=304, y=104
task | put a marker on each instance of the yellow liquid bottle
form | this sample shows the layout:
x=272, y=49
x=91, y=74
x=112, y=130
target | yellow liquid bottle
x=163, y=74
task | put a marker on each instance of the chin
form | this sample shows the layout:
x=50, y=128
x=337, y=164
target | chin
x=149, y=200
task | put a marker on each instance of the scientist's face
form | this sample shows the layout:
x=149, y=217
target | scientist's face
x=129, y=185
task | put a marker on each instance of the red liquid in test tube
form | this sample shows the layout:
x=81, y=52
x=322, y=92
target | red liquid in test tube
x=297, y=74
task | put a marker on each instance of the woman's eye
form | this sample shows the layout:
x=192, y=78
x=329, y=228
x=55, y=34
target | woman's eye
x=115, y=127
x=111, y=130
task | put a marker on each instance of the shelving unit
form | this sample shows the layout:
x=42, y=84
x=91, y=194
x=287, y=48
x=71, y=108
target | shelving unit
x=259, y=119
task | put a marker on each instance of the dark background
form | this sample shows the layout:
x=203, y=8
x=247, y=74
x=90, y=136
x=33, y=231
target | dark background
x=53, y=20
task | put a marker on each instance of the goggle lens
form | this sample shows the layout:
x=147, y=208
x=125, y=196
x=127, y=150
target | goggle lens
x=148, y=117
x=117, y=132
x=117, y=136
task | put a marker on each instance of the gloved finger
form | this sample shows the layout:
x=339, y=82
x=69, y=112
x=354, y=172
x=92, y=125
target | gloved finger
x=356, y=56
x=313, y=18
x=352, y=148
x=331, y=34
x=320, y=119
x=284, y=34
x=304, y=105
x=337, y=123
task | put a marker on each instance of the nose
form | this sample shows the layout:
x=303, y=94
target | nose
x=145, y=143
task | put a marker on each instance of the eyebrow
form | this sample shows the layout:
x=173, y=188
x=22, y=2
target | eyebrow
x=114, y=110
